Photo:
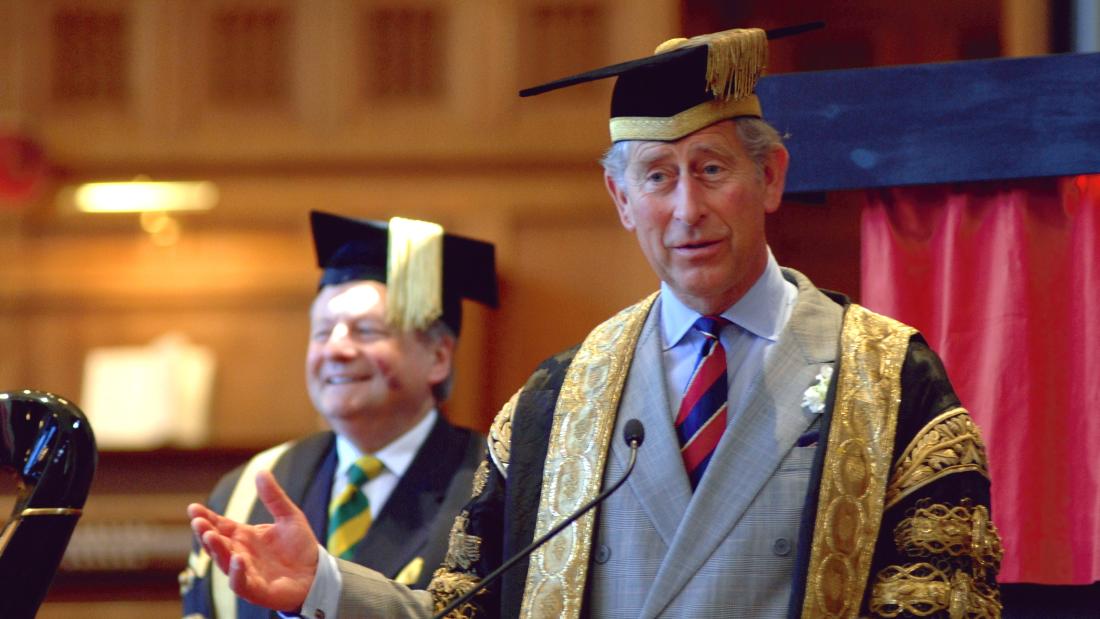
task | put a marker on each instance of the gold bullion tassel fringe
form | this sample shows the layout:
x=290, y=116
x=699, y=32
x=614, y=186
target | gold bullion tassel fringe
x=414, y=274
x=735, y=59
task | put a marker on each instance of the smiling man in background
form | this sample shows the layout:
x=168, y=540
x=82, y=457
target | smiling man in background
x=383, y=486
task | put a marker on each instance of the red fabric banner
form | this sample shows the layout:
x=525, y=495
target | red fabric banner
x=22, y=169
x=1003, y=279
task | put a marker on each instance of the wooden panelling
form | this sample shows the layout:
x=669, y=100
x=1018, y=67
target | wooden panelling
x=11, y=64
x=164, y=83
x=866, y=33
x=90, y=49
x=1026, y=27
x=572, y=271
x=820, y=240
x=404, y=52
x=249, y=54
x=559, y=38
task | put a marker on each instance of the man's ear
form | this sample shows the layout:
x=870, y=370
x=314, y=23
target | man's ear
x=443, y=355
x=775, y=177
x=621, y=200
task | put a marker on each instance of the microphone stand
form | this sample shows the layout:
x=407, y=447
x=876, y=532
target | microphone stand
x=634, y=442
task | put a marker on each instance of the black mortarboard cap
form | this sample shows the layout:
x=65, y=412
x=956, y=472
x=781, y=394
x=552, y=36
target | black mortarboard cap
x=686, y=85
x=427, y=272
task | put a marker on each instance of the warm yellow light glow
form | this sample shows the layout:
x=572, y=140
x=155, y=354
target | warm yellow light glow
x=141, y=196
x=162, y=228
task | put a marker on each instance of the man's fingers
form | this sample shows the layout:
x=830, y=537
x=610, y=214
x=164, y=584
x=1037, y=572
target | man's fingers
x=201, y=526
x=238, y=576
x=197, y=510
x=220, y=523
x=204, y=530
x=218, y=548
x=274, y=499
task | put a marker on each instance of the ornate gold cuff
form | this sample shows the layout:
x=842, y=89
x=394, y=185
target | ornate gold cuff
x=922, y=589
x=957, y=531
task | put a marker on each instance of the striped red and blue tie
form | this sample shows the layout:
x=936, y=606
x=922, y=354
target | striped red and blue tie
x=701, y=419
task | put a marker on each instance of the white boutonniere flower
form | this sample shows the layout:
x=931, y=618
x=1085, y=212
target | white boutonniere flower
x=813, y=399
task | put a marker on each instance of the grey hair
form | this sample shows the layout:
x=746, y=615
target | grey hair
x=757, y=136
x=436, y=332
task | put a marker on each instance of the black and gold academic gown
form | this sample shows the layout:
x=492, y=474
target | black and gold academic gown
x=896, y=521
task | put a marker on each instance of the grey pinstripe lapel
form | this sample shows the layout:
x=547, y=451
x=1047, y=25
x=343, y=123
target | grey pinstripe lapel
x=755, y=442
x=659, y=481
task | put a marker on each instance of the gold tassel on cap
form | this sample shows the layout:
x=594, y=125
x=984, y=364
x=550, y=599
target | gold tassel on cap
x=414, y=274
x=735, y=59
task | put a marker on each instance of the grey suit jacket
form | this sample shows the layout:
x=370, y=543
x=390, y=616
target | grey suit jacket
x=728, y=549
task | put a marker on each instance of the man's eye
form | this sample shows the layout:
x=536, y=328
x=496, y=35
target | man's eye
x=370, y=331
x=657, y=177
x=712, y=168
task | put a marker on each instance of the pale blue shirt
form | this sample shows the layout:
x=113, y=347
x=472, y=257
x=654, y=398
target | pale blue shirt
x=758, y=318
x=396, y=458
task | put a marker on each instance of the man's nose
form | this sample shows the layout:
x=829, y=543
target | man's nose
x=339, y=341
x=687, y=207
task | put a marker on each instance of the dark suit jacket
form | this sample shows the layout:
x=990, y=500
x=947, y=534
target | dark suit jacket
x=415, y=521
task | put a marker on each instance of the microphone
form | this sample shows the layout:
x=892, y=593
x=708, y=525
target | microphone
x=633, y=435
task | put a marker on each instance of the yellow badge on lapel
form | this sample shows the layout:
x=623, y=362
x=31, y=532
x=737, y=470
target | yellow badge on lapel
x=411, y=572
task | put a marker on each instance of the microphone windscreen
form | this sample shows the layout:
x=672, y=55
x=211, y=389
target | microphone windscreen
x=634, y=432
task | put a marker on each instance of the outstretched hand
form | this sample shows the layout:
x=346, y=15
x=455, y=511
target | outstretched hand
x=270, y=565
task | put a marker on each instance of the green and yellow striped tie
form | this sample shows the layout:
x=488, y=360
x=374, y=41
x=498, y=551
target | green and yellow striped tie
x=349, y=513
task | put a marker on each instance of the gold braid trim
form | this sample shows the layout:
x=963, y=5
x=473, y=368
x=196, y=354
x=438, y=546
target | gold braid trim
x=921, y=589
x=481, y=478
x=959, y=531
x=500, y=435
x=948, y=444
x=446, y=586
x=584, y=418
x=454, y=579
x=463, y=549
x=857, y=462
x=688, y=121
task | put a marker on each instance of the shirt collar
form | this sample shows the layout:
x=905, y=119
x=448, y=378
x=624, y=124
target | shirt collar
x=762, y=310
x=397, y=455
